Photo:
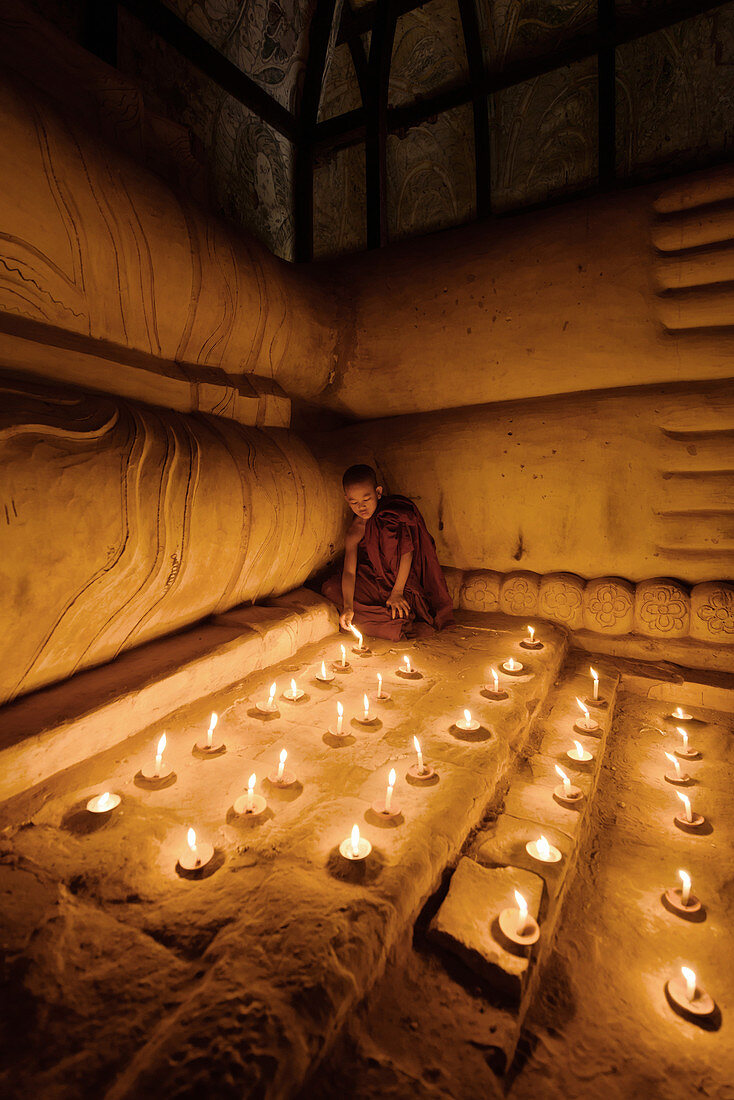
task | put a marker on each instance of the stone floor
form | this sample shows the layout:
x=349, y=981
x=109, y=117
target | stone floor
x=600, y=1025
x=125, y=978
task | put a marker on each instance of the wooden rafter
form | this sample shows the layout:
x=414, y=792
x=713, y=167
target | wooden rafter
x=475, y=61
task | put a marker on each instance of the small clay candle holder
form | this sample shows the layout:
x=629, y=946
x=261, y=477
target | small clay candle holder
x=104, y=803
x=518, y=926
x=531, y=642
x=407, y=672
x=579, y=754
x=208, y=747
x=493, y=693
x=294, y=694
x=595, y=699
x=467, y=724
x=368, y=723
x=695, y=1003
x=197, y=856
x=337, y=666
x=695, y=825
x=156, y=777
x=679, y=715
x=567, y=794
x=379, y=807
x=362, y=651
x=517, y=668
x=676, y=776
x=673, y=900
x=252, y=812
x=323, y=676
x=281, y=777
x=269, y=709
x=425, y=776
x=383, y=696
x=585, y=724
x=355, y=848
x=543, y=852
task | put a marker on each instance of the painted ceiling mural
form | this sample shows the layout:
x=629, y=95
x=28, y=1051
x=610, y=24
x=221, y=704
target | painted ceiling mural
x=675, y=107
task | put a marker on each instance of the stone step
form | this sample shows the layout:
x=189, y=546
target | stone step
x=264, y=957
x=484, y=882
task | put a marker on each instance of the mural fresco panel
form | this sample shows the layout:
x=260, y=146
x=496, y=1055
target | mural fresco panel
x=431, y=175
x=339, y=202
x=340, y=91
x=428, y=52
x=544, y=136
x=516, y=30
x=675, y=95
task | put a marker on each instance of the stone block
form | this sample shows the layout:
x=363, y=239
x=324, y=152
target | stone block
x=608, y=605
x=561, y=599
x=504, y=843
x=480, y=591
x=662, y=608
x=519, y=593
x=466, y=922
x=712, y=612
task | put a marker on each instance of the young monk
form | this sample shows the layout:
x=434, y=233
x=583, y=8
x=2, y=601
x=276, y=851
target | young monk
x=391, y=578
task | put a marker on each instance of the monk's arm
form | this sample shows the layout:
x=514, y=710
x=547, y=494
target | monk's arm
x=396, y=600
x=349, y=576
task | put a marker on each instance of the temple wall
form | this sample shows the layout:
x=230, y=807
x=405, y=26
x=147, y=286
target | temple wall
x=635, y=483
x=618, y=290
x=155, y=519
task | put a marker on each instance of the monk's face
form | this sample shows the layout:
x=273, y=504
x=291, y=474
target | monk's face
x=362, y=499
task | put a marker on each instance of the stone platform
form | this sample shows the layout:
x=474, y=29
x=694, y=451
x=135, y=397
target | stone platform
x=128, y=978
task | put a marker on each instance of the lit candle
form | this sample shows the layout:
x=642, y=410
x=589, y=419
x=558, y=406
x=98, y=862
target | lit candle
x=340, y=718
x=103, y=803
x=512, y=666
x=686, y=805
x=408, y=669
x=681, y=715
x=358, y=636
x=579, y=753
x=324, y=675
x=467, y=722
x=689, y=976
x=344, y=656
x=685, y=892
x=390, y=787
x=281, y=765
x=250, y=792
x=212, y=723
x=684, y=735
x=495, y=680
x=355, y=847
x=379, y=686
x=159, y=755
x=540, y=849
x=566, y=781
x=191, y=838
x=366, y=702
x=531, y=639
x=595, y=676
x=586, y=722
x=674, y=761
x=522, y=913
x=417, y=746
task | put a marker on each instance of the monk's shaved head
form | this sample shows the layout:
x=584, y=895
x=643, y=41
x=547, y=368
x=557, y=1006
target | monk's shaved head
x=359, y=475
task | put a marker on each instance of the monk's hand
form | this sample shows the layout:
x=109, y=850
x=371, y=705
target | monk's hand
x=398, y=605
x=345, y=619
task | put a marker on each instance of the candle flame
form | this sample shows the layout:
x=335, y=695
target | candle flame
x=467, y=717
x=104, y=801
x=495, y=676
x=251, y=783
x=323, y=670
x=522, y=905
x=344, y=654
x=673, y=760
x=531, y=633
x=685, y=879
x=379, y=682
x=684, y=735
x=543, y=847
x=213, y=720
x=391, y=778
x=583, y=706
x=561, y=774
x=191, y=838
x=161, y=745
x=273, y=689
x=339, y=709
x=416, y=744
x=366, y=702
x=594, y=673
x=294, y=689
x=283, y=756
x=511, y=663
x=407, y=664
x=356, y=634
x=579, y=749
x=355, y=840
x=686, y=804
x=678, y=712
x=689, y=977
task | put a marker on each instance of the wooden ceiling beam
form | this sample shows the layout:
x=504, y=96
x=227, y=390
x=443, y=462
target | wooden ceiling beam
x=475, y=61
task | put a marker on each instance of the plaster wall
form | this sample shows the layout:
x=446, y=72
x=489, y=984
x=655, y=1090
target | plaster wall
x=156, y=519
x=634, y=483
x=618, y=290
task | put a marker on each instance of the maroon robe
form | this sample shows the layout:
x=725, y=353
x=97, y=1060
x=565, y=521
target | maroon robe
x=396, y=528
